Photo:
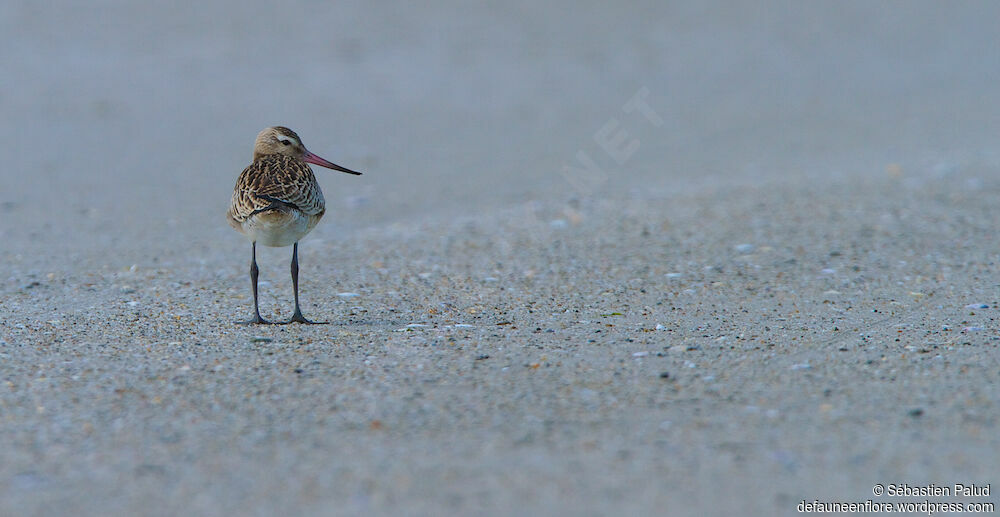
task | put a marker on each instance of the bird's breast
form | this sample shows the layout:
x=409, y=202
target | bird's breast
x=279, y=227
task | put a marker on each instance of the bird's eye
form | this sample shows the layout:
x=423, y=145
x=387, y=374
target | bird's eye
x=285, y=142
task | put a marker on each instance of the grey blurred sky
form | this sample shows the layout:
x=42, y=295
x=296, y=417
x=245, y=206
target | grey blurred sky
x=132, y=108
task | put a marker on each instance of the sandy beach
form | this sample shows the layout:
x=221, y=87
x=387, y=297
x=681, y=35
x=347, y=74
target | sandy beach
x=785, y=291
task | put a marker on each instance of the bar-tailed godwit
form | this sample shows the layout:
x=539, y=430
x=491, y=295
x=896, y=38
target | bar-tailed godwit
x=277, y=201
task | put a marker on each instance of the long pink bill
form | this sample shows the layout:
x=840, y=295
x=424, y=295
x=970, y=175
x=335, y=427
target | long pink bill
x=312, y=158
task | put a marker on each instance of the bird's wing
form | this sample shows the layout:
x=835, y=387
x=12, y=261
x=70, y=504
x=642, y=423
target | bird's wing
x=280, y=179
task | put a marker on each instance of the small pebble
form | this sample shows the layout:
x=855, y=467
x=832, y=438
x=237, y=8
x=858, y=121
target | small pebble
x=977, y=306
x=916, y=413
x=348, y=295
x=801, y=366
x=411, y=327
x=259, y=339
x=150, y=470
x=674, y=275
x=355, y=201
x=28, y=480
x=744, y=248
x=640, y=354
x=664, y=375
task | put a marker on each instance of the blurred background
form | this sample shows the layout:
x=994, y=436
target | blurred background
x=126, y=120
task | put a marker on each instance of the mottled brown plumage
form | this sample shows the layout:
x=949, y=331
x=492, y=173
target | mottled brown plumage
x=277, y=200
x=276, y=177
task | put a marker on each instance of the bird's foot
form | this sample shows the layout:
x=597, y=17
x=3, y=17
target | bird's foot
x=256, y=320
x=298, y=318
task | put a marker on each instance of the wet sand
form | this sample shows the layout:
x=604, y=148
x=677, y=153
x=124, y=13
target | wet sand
x=731, y=351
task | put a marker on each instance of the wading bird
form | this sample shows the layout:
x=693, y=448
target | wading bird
x=277, y=201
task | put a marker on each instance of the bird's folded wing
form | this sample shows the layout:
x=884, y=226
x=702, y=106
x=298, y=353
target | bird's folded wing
x=277, y=180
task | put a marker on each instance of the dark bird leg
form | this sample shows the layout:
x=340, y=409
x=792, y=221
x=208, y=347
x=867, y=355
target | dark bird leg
x=254, y=272
x=297, y=317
